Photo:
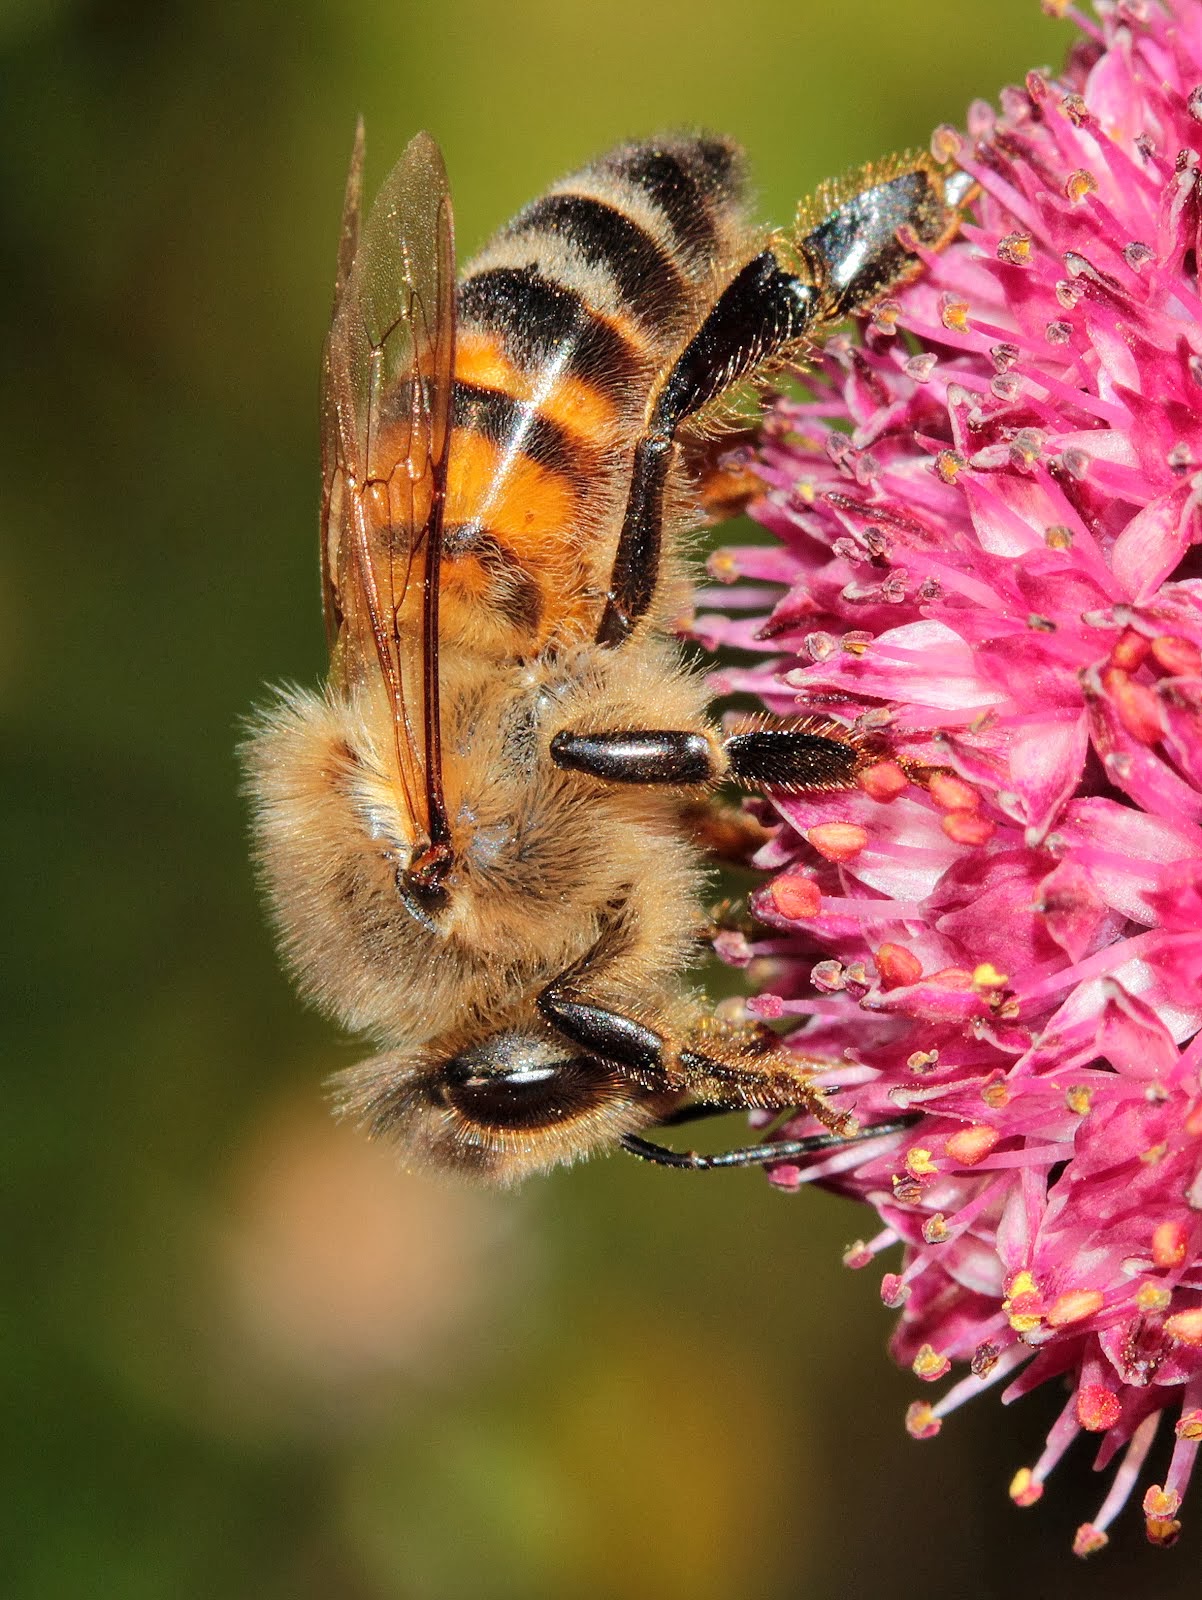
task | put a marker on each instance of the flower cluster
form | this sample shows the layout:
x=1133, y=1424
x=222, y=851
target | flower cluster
x=988, y=527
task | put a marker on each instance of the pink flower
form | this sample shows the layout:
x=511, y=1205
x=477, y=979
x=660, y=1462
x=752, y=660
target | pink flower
x=988, y=523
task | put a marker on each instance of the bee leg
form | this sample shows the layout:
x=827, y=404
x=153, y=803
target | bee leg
x=640, y=756
x=761, y=310
x=830, y=268
x=801, y=757
x=757, y=1155
x=722, y=468
x=725, y=832
x=740, y=1068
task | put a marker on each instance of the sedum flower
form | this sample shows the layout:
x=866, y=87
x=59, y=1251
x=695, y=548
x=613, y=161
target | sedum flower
x=987, y=519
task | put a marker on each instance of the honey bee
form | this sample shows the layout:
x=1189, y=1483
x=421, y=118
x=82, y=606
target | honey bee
x=481, y=843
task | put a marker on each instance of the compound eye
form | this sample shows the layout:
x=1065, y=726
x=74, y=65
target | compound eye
x=501, y=1085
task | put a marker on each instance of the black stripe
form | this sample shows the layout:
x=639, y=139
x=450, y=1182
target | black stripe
x=514, y=591
x=686, y=183
x=498, y=417
x=648, y=280
x=535, y=318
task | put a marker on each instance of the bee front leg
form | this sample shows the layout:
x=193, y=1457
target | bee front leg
x=733, y=1066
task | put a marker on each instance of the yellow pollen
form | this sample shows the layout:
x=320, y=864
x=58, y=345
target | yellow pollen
x=1189, y=1426
x=987, y=976
x=1078, y=184
x=837, y=841
x=1153, y=1154
x=1170, y=1244
x=1058, y=537
x=921, y=1421
x=1152, y=1297
x=1015, y=248
x=929, y=1365
x=1025, y=1487
x=970, y=1145
x=1160, y=1502
x=804, y=490
x=722, y=566
x=949, y=464
x=1021, y=1302
x=995, y=1096
x=1024, y=1321
x=1079, y=1099
x=955, y=316
x=919, y=1163
x=1162, y=1530
x=935, y=1229
x=1089, y=1540
x=946, y=142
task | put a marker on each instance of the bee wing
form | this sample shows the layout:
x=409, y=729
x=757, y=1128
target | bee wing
x=386, y=402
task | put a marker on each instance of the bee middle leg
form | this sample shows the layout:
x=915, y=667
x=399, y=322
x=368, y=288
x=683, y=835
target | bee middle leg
x=805, y=755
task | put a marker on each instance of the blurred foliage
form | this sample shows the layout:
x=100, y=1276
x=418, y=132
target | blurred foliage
x=247, y=1356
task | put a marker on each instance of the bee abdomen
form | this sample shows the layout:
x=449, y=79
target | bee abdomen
x=502, y=418
x=650, y=284
x=534, y=321
x=696, y=185
x=564, y=321
x=604, y=273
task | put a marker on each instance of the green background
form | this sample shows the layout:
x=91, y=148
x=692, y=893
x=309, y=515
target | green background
x=248, y=1358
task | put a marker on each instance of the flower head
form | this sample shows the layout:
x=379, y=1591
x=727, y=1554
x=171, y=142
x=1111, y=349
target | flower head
x=988, y=516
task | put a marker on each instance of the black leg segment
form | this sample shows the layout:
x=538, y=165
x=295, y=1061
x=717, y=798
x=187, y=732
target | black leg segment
x=761, y=311
x=662, y=756
x=795, y=758
x=756, y=1155
x=856, y=251
x=603, y=1033
x=636, y=564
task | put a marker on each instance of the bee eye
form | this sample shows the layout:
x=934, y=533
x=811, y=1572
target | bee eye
x=425, y=903
x=500, y=1085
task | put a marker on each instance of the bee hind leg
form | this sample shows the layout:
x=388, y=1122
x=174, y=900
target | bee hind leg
x=763, y=310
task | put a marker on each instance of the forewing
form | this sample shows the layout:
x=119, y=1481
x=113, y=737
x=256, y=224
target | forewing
x=386, y=399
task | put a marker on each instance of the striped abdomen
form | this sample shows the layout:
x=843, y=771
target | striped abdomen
x=564, y=320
